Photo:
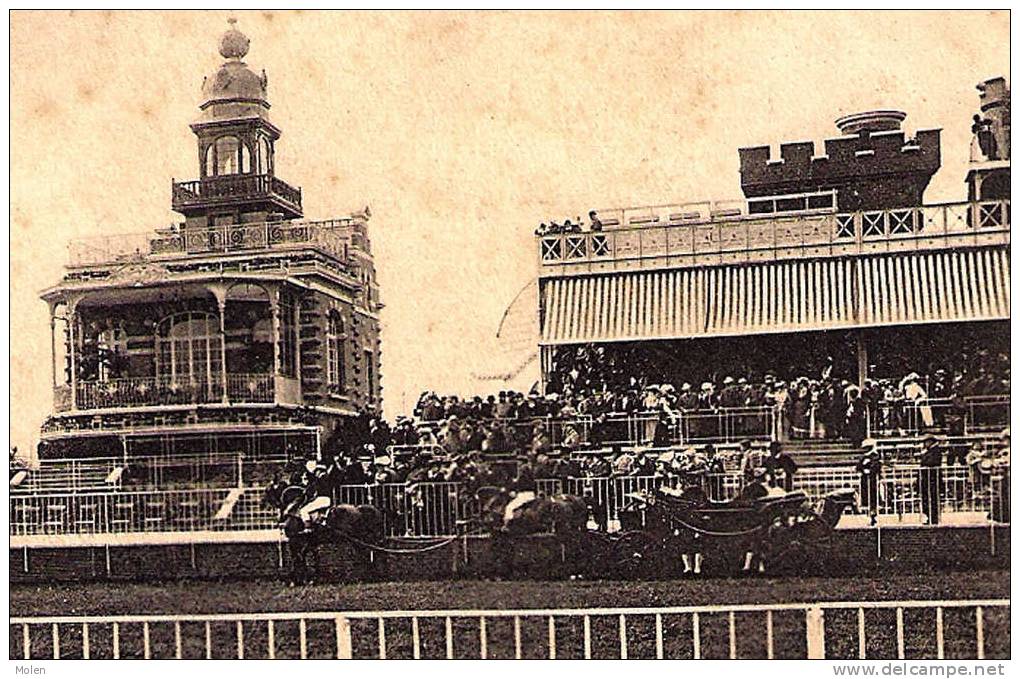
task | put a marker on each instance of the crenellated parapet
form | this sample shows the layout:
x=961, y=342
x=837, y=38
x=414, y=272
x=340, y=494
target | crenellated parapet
x=873, y=166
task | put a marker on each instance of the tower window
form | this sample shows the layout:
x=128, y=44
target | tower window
x=228, y=155
x=265, y=156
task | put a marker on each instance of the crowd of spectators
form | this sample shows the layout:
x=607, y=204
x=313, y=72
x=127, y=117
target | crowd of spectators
x=594, y=224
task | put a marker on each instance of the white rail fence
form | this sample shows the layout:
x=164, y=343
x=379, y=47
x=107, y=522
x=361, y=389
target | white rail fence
x=874, y=629
x=439, y=508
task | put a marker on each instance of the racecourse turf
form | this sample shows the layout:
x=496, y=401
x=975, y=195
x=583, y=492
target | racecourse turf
x=191, y=596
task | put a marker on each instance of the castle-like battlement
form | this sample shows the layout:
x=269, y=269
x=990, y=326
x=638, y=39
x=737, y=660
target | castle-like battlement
x=870, y=170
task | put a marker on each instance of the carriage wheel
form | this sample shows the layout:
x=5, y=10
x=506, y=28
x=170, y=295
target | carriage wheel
x=634, y=551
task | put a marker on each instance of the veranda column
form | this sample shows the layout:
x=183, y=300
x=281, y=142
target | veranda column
x=53, y=345
x=72, y=321
x=219, y=292
x=862, y=357
x=221, y=302
x=274, y=313
x=274, y=308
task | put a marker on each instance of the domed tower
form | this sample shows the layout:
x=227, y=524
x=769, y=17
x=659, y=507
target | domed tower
x=236, y=145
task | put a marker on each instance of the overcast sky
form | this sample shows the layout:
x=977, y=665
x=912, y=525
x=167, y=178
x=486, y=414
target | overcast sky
x=461, y=131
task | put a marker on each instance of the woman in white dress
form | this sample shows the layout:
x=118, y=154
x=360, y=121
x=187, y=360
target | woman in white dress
x=915, y=393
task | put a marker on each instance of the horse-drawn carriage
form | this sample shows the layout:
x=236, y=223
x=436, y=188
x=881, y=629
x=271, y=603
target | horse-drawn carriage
x=665, y=524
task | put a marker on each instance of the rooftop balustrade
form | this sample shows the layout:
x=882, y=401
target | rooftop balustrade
x=232, y=188
x=330, y=236
x=766, y=229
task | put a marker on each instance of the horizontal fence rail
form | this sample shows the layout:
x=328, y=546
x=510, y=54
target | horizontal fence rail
x=838, y=630
x=445, y=509
x=156, y=472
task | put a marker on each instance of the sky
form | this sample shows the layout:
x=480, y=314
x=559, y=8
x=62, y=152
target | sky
x=461, y=131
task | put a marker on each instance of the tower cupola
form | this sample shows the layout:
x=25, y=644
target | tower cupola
x=236, y=147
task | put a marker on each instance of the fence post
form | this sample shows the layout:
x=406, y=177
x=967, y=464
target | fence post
x=814, y=619
x=343, y=639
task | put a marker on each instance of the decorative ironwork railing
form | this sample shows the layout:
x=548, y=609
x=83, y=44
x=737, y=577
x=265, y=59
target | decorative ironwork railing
x=243, y=186
x=331, y=236
x=130, y=392
x=715, y=236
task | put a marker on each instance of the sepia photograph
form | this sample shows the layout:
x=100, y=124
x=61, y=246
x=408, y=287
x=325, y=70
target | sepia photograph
x=466, y=335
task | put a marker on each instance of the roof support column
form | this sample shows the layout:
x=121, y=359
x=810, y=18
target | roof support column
x=219, y=291
x=862, y=356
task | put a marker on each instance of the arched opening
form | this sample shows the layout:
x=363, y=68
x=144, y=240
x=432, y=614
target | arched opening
x=248, y=324
x=209, y=161
x=265, y=154
x=188, y=350
x=228, y=155
x=245, y=159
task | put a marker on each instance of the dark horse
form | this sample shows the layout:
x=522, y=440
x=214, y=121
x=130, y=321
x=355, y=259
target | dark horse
x=360, y=525
x=766, y=529
x=510, y=516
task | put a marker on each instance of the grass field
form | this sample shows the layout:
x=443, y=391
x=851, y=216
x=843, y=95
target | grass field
x=263, y=596
x=677, y=639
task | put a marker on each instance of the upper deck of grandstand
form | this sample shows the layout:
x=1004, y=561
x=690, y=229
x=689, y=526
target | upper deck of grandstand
x=737, y=232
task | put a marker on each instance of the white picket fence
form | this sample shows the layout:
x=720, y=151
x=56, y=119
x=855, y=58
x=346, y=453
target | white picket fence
x=923, y=630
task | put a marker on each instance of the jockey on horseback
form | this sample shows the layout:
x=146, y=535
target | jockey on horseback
x=316, y=497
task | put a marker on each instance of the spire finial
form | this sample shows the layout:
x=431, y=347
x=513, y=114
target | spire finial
x=233, y=43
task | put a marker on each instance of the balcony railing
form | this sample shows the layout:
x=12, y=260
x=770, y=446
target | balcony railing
x=331, y=236
x=714, y=236
x=133, y=392
x=232, y=188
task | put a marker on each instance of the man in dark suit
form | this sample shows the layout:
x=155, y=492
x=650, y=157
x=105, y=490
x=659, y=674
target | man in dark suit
x=777, y=461
x=931, y=479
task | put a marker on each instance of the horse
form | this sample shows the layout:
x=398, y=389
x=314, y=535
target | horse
x=810, y=529
x=764, y=529
x=510, y=516
x=360, y=524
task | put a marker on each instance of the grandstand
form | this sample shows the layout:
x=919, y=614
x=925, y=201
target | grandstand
x=200, y=362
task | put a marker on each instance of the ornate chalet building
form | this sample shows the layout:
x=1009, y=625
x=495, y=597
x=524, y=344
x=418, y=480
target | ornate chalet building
x=832, y=253
x=245, y=328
